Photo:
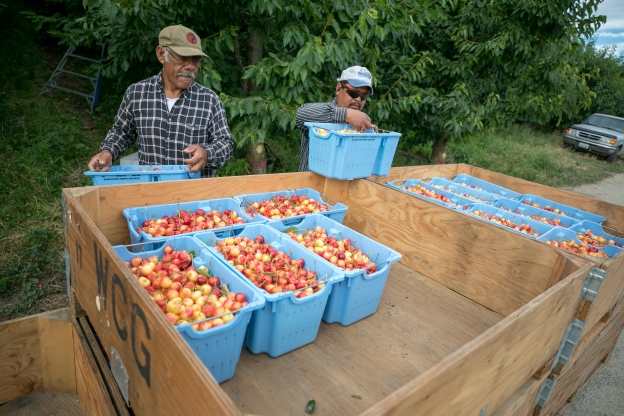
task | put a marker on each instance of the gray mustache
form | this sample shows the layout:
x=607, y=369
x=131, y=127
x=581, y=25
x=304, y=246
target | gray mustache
x=186, y=74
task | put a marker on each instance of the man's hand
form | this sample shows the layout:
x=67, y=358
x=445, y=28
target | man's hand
x=101, y=162
x=199, y=159
x=359, y=120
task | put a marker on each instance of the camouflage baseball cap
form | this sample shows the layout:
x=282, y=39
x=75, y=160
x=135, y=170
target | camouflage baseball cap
x=181, y=40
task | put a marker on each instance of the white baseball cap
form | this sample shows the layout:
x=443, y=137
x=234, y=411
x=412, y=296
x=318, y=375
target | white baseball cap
x=358, y=76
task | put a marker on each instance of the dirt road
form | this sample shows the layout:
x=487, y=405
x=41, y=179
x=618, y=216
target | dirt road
x=604, y=394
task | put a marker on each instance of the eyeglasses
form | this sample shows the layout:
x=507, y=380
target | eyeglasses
x=355, y=93
x=195, y=60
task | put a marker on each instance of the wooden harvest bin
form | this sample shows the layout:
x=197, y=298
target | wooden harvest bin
x=470, y=315
x=49, y=364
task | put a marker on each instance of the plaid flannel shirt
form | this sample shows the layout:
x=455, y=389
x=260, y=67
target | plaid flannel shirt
x=198, y=117
x=320, y=113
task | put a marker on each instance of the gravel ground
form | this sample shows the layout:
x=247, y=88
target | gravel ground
x=604, y=395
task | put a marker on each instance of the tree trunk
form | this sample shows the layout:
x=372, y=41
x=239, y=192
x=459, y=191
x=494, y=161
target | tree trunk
x=257, y=158
x=438, y=152
x=254, y=54
x=256, y=152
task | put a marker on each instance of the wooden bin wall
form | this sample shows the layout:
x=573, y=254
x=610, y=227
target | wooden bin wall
x=590, y=355
x=612, y=287
x=49, y=352
x=126, y=318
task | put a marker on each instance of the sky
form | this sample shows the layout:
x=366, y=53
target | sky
x=612, y=32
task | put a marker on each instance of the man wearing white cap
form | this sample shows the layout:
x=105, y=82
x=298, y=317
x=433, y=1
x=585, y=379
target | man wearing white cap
x=353, y=88
x=175, y=120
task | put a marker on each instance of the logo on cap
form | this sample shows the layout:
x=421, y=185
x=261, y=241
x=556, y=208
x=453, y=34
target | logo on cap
x=365, y=74
x=191, y=38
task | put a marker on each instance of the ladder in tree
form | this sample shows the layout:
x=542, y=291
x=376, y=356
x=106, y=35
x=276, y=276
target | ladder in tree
x=96, y=82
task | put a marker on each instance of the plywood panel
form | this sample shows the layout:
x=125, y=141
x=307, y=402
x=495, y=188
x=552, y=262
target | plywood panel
x=348, y=369
x=57, y=351
x=88, y=198
x=91, y=390
x=581, y=367
x=107, y=376
x=496, y=268
x=488, y=370
x=125, y=317
x=113, y=199
x=21, y=372
x=521, y=402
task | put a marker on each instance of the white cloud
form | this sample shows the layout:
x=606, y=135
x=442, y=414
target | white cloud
x=610, y=34
x=612, y=24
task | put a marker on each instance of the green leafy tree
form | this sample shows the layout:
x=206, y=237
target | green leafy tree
x=605, y=71
x=443, y=69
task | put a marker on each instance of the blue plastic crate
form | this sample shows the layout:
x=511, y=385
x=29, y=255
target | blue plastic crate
x=519, y=208
x=336, y=212
x=582, y=226
x=472, y=182
x=560, y=234
x=219, y=348
x=140, y=174
x=285, y=323
x=477, y=196
x=135, y=216
x=457, y=202
x=539, y=227
x=357, y=296
x=349, y=155
x=566, y=210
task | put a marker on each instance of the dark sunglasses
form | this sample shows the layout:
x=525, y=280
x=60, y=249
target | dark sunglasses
x=355, y=94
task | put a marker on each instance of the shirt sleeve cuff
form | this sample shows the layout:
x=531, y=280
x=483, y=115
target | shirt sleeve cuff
x=210, y=154
x=110, y=149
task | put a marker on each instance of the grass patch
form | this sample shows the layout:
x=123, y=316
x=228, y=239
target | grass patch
x=525, y=153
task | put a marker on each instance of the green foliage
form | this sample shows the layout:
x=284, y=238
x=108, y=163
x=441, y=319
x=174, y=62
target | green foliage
x=605, y=77
x=20, y=58
x=443, y=69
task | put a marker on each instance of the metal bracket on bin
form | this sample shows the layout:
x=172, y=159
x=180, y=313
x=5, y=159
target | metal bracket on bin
x=569, y=343
x=119, y=374
x=543, y=395
x=595, y=277
x=67, y=272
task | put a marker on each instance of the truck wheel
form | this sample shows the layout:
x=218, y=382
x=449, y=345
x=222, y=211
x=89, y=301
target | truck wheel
x=613, y=156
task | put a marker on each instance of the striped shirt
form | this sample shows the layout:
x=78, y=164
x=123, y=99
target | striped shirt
x=320, y=113
x=197, y=117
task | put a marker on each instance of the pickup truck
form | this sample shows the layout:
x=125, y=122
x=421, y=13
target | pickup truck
x=600, y=134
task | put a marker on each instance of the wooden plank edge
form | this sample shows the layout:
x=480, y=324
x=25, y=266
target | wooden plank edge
x=100, y=360
x=91, y=390
x=57, y=352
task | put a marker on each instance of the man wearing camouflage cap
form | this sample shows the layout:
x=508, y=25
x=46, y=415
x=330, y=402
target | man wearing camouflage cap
x=175, y=120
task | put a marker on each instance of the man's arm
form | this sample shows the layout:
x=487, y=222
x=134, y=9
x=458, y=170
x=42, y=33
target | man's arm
x=220, y=149
x=123, y=133
x=320, y=113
